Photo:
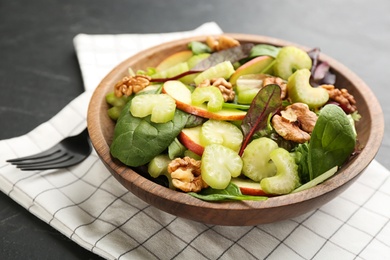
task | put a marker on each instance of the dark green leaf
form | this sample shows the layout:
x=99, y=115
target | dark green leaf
x=198, y=47
x=138, y=140
x=194, y=120
x=332, y=141
x=301, y=154
x=264, y=50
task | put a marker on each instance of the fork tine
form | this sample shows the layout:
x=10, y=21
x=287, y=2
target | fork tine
x=64, y=157
x=48, y=152
x=41, y=159
x=67, y=152
x=66, y=161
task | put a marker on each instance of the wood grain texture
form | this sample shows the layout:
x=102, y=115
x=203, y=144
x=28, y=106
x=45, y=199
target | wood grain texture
x=370, y=132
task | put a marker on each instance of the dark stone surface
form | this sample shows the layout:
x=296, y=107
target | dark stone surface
x=39, y=72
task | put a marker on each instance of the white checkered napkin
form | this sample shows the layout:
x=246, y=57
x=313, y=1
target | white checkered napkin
x=88, y=205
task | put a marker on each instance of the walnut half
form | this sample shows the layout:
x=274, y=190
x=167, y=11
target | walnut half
x=278, y=81
x=295, y=123
x=186, y=174
x=224, y=42
x=131, y=84
x=224, y=86
x=341, y=96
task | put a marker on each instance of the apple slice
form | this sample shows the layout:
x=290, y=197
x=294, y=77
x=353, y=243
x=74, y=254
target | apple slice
x=190, y=138
x=171, y=71
x=182, y=95
x=247, y=87
x=174, y=59
x=249, y=187
x=192, y=62
x=257, y=65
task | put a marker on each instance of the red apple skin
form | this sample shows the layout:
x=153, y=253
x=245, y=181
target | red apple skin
x=252, y=192
x=172, y=88
x=192, y=143
x=203, y=112
x=249, y=187
x=256, y=65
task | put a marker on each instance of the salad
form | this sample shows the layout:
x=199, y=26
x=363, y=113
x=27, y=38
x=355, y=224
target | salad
x=225, y=120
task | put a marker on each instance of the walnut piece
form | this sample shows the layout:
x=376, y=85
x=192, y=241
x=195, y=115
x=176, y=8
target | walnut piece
x=186, y=174
x=224, y=42
x=131, y=84
x=278, y=81
x=295, y=123
x=288, y=130
x=224, y=86
x=341, y=96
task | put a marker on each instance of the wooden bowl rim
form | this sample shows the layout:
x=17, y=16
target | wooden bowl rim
x=137, y=183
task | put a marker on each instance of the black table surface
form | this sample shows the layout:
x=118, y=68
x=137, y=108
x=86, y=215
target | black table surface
x=39, y=72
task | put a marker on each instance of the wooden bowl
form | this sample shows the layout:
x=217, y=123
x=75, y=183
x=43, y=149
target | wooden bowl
x=370, y=132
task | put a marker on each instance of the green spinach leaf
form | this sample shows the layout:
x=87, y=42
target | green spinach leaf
x=199, y=47
x=332, y=141
x=231, y=192
x=301, y=153
x=138, y=140
x=264, y=50
x=194, y=120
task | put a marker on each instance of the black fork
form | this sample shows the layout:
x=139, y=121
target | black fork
x=70, y=151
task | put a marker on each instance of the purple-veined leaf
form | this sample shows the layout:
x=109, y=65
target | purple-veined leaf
x=266, y=102
x=233, y=55
x=320, y=71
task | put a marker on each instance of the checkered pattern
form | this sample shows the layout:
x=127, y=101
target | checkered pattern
x=88, y=205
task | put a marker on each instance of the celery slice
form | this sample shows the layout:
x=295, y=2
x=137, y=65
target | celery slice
x=221, y=70
x=159, y=165
x=247, y=96
x=114, y=112
x=257, y=161
x=286, y=178
x=161, y=107
x=289, y=60
x=221, y=132
x=212, y=95
x=300, y=90
x=219, y=165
